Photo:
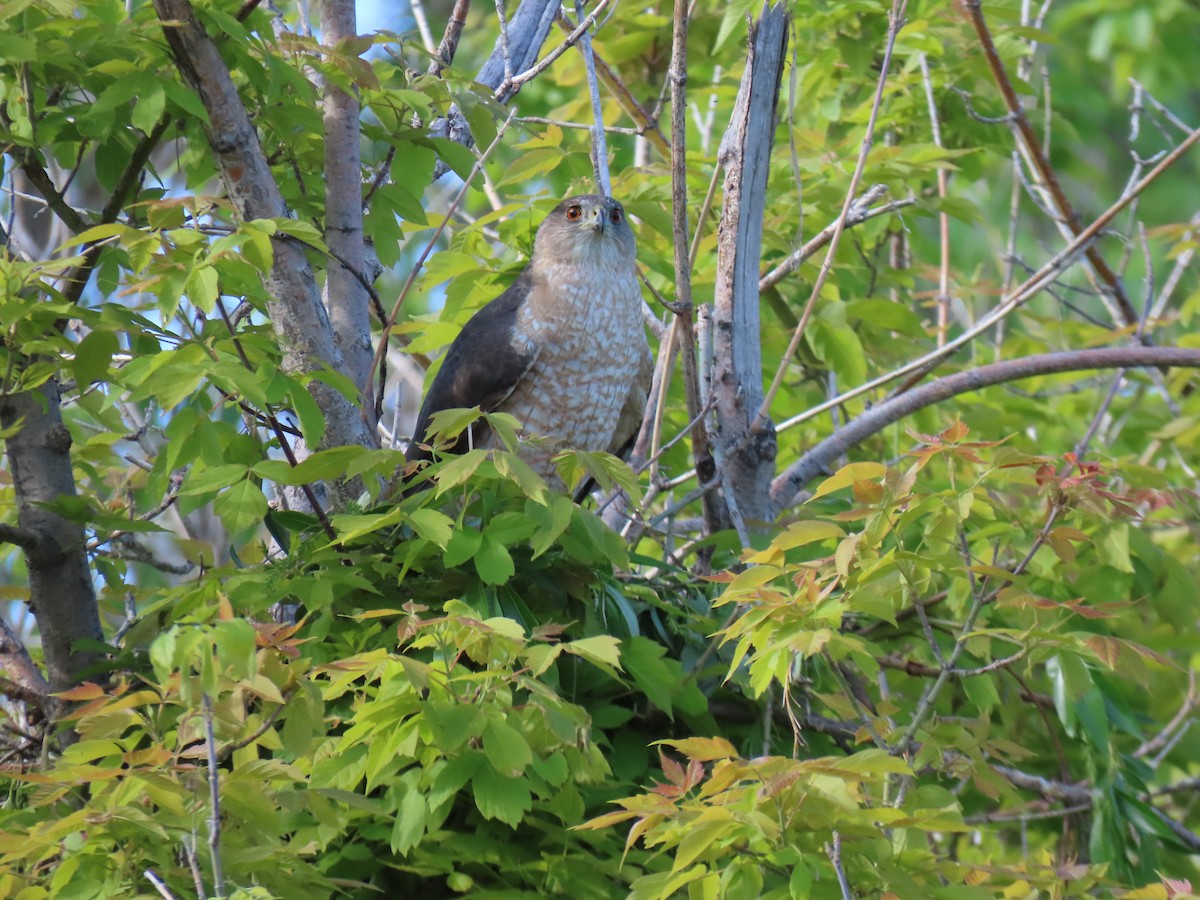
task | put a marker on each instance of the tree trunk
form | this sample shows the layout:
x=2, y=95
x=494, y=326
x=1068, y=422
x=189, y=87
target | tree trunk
x=61, y=594
x=297, y=315
x=747, y=456
x=345, y=294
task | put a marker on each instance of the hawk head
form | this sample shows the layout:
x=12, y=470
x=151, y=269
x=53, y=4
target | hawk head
x=586, y=230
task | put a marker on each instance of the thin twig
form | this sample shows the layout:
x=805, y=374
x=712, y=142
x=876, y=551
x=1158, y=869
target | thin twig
x=514, y=83
x=1039, y=164
x=599, y=147
x=159, y=885
x=943, y=295
x=895, y=23
x=389, y=324
x=214, y=798
x=835, y=857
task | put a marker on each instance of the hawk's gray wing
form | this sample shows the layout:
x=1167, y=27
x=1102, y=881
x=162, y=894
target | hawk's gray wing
x=483, y=365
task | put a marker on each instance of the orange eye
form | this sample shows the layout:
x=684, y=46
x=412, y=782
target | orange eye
x=574, y=213
x=615, y=216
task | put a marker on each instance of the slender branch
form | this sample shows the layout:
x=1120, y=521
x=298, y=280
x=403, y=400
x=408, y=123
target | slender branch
x=895, y=23
x=647, y=124
x=859, y=213
x=511, y=85
x=818, y=458
x=1028, y=289
x=599, y=147
x=1186, y=708
x=835, y=858
x=214, y=798
x=943, y=295
x=159, y=885
x=450, y=37
x=1028, y=141
x=715, y=515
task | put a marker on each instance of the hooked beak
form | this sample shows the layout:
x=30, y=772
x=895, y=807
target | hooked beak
x=597, y=218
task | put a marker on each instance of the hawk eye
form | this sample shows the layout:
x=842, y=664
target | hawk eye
x=574, y=213
x=615, y=216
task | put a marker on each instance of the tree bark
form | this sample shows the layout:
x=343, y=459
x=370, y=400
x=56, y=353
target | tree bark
x=294, y=305
x=346, y=297
x=61, y=593
x=747, y=458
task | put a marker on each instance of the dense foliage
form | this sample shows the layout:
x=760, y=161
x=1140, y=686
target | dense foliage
x=962, y=663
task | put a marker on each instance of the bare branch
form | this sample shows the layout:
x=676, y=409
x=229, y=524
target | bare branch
x=214, y=798
x=895, y=23
x=818, y=458
x=716, y=517
x=511, y=85
x=1027, y=141
x=859, y=212
x=747, y=451
x=599, y=147
x=835, y=858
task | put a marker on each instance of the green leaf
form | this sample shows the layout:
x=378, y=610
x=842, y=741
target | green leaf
x=462, y=546
x=212, y=478
x=434, y=526
x=505, y=748
x=493, y=562
x=453, y=724
x=552, y=520
x=308, y=414
x=501, y=797
x=847, y=475
x=455, y=471
x=93, y=356
x=516, y=469
x=643, y=660
x=235, y=645
x=202, y=288
x=241, y=505
x=603, y=650
x=151, y=103
x=351, y=527
x=408, y=826
x=455, y=155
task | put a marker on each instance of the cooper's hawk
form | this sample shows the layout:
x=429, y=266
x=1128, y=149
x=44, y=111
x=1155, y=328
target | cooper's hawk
x=563, y=349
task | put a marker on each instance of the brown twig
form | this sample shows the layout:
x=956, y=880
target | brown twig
x=450, y=37
x=1028, y=141
x=715, y=516
x=1028, y=289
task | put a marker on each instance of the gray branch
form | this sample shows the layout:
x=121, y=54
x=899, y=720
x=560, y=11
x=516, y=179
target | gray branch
x=818, y=459
x=60, y=584
x=294, y=306
x=346, y=296
x=745, y=156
